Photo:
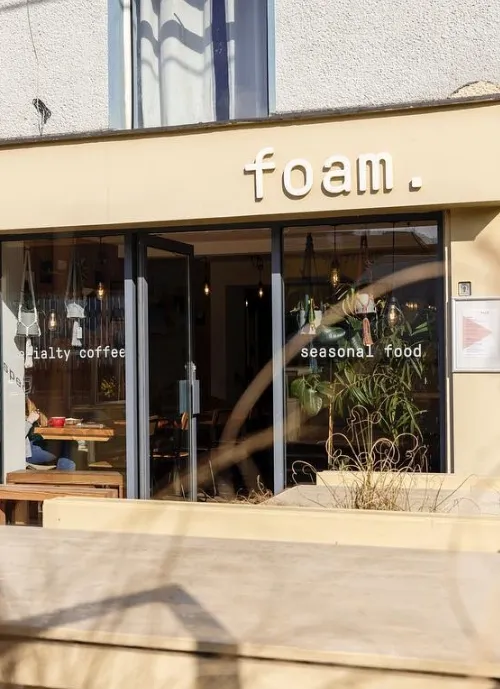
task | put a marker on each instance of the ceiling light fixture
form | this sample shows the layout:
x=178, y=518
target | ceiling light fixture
x=393, y=315
x=101, y=290
x=206, y=286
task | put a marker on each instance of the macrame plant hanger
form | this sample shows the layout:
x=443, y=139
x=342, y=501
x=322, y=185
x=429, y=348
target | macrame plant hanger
x=308, y=265
x=75, y=306
x=365, y=265
x=27, y=318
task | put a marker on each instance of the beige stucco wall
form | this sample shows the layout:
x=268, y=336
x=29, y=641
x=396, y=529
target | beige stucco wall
x=474, y=250
x=198, y=175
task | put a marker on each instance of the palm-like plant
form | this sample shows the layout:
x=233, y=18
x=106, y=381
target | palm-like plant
x=378, y=383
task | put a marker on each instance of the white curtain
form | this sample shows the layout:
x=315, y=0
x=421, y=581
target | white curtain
x=200, y=61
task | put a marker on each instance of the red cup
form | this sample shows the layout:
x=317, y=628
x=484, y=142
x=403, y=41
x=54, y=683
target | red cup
x=57, y=421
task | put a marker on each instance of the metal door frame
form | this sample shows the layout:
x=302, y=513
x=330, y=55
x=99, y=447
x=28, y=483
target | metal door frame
x=142, y=328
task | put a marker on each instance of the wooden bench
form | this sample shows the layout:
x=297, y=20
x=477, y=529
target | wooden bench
x=19, y=496
x=95, y=479
x=107, y=465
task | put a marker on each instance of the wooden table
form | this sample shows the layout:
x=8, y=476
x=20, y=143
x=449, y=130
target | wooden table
x=89, y=434
x=92, y=434
x=97, y=479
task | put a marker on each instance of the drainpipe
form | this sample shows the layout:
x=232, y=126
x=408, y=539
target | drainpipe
x=128, y=71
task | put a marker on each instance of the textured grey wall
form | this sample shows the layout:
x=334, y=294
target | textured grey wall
x=329, y=53
x=70, y=40
x=341, y=53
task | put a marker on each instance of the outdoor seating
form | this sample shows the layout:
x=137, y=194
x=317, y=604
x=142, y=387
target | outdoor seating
x=94, y=479
x=15, y=499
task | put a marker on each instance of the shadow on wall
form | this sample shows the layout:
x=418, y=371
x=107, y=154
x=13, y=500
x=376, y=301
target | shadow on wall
x=471, y=226
x=476, y=88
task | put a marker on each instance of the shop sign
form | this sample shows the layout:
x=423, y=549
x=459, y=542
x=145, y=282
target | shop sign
x=99, y=352
x=12, y=375
x=370, y=172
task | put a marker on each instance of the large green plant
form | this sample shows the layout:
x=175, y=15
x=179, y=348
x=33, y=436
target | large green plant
x=380, y=383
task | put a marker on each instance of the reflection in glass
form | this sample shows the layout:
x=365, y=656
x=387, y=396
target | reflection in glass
x=377, y=362
x=63, y=381
x=232, y=342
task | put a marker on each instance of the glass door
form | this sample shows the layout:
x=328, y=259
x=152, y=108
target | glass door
x=167, y=386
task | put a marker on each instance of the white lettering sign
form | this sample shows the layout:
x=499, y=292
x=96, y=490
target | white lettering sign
x=305, y=167
x=374, y=173
x=338, y=169
x=258, y=166
x=99, y=352
x=375, y=166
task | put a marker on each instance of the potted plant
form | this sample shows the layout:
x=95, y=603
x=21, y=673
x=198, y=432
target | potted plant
x=379, y=382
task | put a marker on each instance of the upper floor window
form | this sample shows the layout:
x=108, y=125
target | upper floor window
x=200, y=61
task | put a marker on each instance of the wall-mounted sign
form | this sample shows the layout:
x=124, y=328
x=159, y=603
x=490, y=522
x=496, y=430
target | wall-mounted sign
x=464, y=289
x=369, y=172
x=476, y=335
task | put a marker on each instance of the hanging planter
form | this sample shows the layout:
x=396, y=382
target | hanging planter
x=74, y=301
x=364, y=304
x=336, y=278
x=27, y=316
x=306, y=312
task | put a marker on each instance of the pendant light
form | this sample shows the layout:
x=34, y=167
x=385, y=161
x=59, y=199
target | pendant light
x=52, y=323
x=334, y=266
x=206, y=286
x=309, y=268
x=260, y=287
x=393, y=315
x=101, y=290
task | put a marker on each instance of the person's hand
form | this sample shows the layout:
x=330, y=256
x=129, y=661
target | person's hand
x=33, y=417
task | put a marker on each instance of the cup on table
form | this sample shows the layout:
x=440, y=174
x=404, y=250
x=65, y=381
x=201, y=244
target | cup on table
x=57, y=421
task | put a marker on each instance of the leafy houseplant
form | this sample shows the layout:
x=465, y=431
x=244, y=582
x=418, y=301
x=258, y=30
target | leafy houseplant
x=109, y=387
x=377, y=382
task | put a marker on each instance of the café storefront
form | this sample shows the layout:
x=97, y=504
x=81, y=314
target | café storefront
x=148, y=277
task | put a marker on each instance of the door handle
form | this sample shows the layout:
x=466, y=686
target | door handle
x=189, y=386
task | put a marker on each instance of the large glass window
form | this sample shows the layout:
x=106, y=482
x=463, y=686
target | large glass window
x=364, y=390
x=63, y=344
x=200, y=61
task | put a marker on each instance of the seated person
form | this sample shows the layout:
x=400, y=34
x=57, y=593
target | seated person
x=36, y=454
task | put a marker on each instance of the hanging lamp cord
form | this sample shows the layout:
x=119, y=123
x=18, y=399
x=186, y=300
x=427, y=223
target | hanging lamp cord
x=393, y=257
x=309, y=261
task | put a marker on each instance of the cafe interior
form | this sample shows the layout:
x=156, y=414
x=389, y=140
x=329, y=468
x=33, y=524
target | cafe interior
x=73, y=367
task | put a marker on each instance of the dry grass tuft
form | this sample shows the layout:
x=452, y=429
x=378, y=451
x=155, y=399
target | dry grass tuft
x=255, y=497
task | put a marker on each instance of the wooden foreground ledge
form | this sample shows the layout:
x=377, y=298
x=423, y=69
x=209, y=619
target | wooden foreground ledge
x=81, y=666
x=329, y=527
x=77, y=602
